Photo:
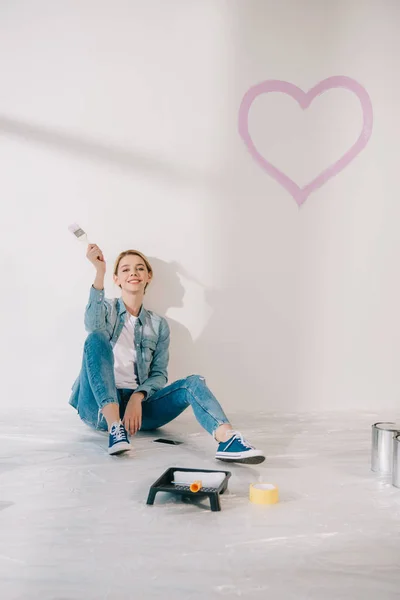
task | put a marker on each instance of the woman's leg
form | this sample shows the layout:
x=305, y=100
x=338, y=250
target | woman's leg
x=167, y=404
x=98, y=394
x=97, y=391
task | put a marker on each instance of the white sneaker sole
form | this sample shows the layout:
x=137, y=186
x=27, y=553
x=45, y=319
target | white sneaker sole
x=252, y=457
x=120, y=448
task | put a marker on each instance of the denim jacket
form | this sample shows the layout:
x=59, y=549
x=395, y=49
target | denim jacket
x=151, y=340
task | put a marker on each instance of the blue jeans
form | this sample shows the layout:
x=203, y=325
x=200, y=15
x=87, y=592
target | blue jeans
x=97, y=388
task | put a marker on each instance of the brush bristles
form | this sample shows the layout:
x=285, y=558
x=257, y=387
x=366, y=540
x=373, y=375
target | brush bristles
x=76, y=230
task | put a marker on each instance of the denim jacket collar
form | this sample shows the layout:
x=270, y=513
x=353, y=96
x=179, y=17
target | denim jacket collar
x=142, y=313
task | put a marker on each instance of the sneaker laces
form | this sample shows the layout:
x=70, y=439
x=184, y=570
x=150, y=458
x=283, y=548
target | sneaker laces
x=236, y=435
x=118, y=432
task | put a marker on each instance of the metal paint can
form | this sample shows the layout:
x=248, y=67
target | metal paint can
x=396, y=461
x=383, y=435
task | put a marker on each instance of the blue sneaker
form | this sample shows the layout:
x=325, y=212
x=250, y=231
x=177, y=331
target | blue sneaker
x=118, y=439
x=237, y=449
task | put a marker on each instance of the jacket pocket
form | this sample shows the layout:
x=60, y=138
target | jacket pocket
x=148, y=348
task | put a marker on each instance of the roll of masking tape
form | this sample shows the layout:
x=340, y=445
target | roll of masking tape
x=264, y=493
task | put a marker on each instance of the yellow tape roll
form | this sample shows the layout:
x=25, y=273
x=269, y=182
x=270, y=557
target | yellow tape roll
x=264, y=493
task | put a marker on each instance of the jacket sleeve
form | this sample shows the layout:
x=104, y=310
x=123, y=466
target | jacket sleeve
x=96, y=312
x=158, y=373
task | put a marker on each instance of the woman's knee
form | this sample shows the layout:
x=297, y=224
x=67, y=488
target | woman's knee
x=97, y=339
x=195, y=381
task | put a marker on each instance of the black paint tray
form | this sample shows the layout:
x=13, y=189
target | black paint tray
x=165, y=484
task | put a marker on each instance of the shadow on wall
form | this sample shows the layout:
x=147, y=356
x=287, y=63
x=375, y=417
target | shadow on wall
x=166, y=291
x=96, y=150
x=217, y=353
x=232, y=352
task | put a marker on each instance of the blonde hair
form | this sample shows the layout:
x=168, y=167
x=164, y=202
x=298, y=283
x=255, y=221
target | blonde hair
x=132, y=253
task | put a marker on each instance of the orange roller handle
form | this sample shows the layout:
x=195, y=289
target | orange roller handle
x=196, y=486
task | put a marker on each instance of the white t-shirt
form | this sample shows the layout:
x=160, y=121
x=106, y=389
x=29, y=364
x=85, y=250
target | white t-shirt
x=125, y=356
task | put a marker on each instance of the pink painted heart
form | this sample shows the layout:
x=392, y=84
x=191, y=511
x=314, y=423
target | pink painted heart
x=304, y=99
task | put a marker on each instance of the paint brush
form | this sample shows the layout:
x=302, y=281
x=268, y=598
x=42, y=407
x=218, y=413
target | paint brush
x=78, y=233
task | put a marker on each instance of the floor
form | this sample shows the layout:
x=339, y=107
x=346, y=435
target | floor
x=74, y=522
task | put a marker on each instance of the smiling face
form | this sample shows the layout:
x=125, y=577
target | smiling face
x=132, y=272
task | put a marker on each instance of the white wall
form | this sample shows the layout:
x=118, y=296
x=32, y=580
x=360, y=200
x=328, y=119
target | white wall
x=122, y=116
